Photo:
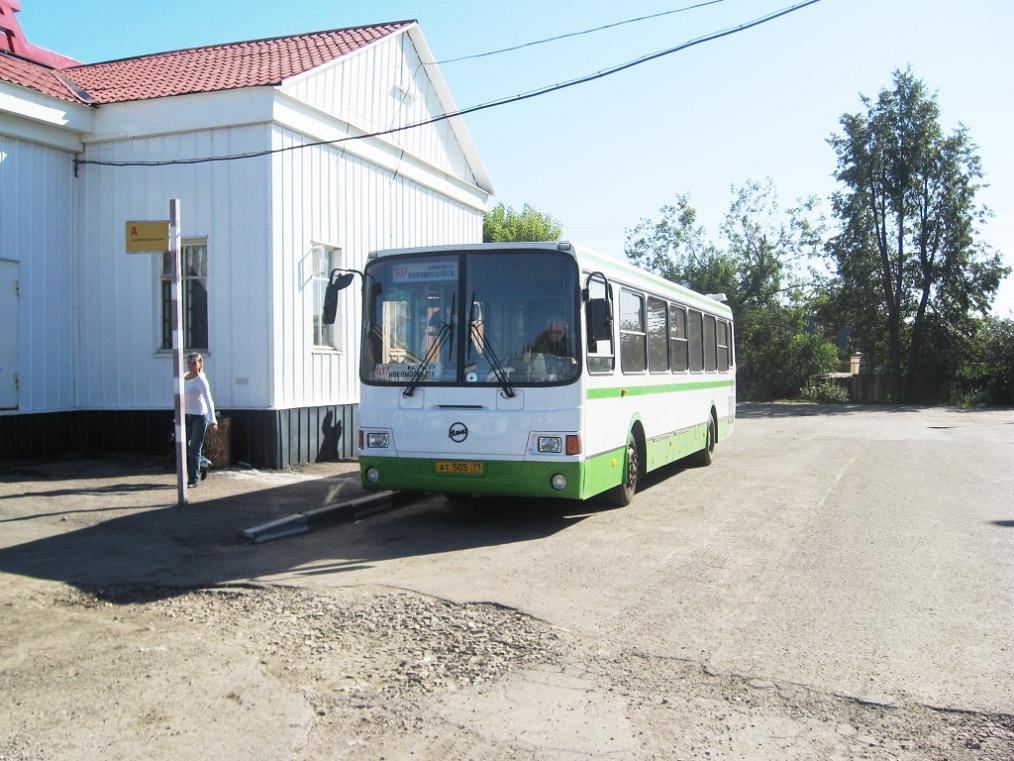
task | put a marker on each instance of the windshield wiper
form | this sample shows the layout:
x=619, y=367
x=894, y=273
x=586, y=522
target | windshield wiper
x=479, y=335
x=432, y=353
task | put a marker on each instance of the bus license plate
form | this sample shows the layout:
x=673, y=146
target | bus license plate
x=461, y=468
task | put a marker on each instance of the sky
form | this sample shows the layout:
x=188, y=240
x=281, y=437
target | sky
x=601, y=156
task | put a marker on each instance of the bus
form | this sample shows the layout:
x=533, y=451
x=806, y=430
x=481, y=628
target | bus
x=535, y=370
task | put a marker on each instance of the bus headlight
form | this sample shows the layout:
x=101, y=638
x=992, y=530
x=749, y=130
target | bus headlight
x=558, y=482
x=550, y=444
x=378, y=440
x=372, y=475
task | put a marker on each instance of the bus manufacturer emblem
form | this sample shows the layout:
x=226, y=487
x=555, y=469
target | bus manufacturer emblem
x=458, y=432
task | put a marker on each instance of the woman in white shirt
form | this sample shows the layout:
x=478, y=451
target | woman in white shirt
x=200, y=413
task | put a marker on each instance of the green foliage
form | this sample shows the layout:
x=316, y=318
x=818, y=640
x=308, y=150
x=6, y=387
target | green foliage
x=675, y=247
x=987, y=375
x=825, y=392
x=502, y=224
x=909, y=266
x=766, y=244
x=763, y=246
x=779, y=347
x=779, y=352
x=911, y=279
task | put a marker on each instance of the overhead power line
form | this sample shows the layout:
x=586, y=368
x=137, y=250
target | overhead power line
x=472, y=109
x=574, y=34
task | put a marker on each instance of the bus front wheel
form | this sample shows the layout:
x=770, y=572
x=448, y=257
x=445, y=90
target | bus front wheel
x=622, y=494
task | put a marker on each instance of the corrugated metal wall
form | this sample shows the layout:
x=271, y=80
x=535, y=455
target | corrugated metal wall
x=385, y=86
x=90, y=332
x=37, y=231
x=261, y=218
x=324, y=195
x=122, y=365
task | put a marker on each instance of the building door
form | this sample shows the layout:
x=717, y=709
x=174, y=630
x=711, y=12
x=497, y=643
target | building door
x=9, y=297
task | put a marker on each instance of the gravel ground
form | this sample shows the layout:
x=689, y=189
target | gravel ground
x=379, y=673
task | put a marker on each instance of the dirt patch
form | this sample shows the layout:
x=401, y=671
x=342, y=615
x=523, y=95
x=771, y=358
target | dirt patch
x=396, y=642
x=691, y=713
x=292, y=673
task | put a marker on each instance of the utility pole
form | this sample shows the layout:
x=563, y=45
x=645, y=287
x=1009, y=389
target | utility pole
x=176, y=253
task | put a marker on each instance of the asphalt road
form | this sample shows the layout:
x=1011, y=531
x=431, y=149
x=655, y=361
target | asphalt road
x=867, y=552
x=845, y=558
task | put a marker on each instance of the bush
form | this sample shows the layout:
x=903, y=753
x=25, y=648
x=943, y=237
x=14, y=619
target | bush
x=987, y=374
x=825, y=392
x=777, y=352
x=968, y=398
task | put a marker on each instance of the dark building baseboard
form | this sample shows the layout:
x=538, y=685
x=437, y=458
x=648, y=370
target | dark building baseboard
x=262, y=438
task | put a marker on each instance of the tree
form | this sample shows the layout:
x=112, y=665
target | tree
x=779, y=351
x=766, y=245
x=762, y=245
x=502, y=224
x=675, y=247
x=779, y=348
x=907, y=254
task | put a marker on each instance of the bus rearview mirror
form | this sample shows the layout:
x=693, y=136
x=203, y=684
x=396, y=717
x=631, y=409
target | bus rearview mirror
x=600, y=321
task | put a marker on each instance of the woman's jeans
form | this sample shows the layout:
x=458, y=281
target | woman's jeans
x=197, y=426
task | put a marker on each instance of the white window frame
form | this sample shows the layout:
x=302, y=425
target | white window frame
x=165, y=297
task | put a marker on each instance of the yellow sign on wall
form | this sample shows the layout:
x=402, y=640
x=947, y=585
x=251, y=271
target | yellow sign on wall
x=147, y=237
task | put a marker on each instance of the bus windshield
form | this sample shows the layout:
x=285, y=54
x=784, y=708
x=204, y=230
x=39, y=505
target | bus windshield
x=472, y=319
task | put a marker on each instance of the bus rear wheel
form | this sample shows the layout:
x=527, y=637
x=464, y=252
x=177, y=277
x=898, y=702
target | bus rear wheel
x=622, y=494
x=705, y=457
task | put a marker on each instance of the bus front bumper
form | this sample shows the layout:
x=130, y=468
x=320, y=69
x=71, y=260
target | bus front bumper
x=516, y=478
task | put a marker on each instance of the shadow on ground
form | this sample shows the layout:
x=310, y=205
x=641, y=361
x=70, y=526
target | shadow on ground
x=159, y=551
x=802, y=409
x=805, y=409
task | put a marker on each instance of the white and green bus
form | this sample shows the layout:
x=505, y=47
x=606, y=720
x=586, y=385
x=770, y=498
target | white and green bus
x=535, y=369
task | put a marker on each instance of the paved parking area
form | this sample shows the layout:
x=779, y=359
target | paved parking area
x=837, y=585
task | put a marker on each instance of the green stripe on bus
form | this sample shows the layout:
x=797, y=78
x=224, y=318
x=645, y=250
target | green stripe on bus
x=611, y=393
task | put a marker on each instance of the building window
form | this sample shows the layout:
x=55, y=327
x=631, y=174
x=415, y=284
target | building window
x=633, y=337
x=194, y=290
x=324, y=259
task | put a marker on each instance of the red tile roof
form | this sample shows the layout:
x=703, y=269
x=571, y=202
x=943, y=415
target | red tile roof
x=28, y=74
x=196, y=70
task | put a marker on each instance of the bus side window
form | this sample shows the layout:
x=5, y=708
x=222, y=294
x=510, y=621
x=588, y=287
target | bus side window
x=695, y=334
x=710, y=351
x=678, y=338
x=633, y=336
x=723, y=346
x=658, y=336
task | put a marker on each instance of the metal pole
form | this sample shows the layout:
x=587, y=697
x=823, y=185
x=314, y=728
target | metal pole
x=177, y=325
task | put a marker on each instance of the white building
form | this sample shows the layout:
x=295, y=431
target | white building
x=84, y=333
